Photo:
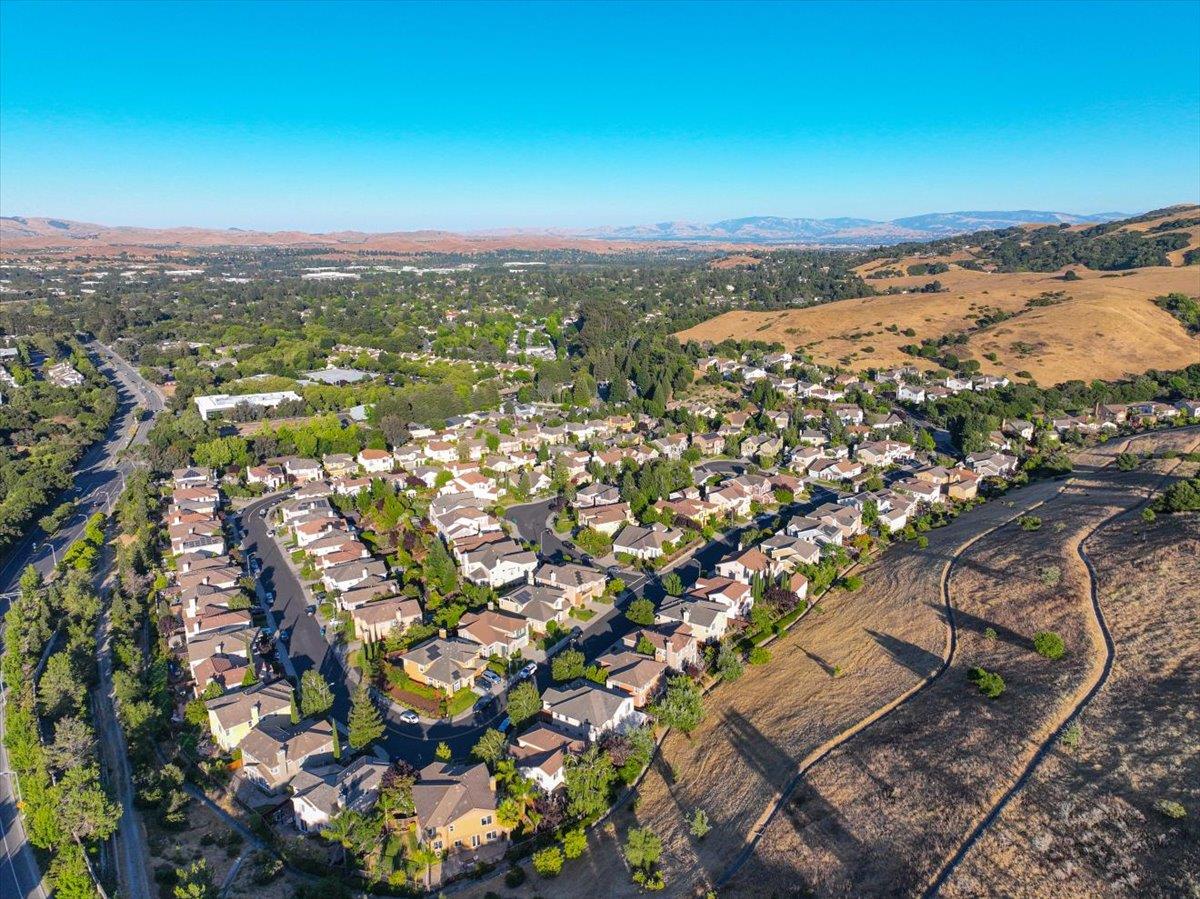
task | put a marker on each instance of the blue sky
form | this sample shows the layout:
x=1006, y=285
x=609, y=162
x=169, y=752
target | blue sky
x=470, y=116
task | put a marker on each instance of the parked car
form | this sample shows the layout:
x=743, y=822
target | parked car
x=408, y=716
x=504, y=725
x=262, y=513
x=527, y=671
x=491, y=678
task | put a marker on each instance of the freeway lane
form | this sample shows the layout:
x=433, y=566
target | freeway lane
x=97, y=484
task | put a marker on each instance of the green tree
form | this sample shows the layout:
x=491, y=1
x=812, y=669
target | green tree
x=548, y=862
x=588, y=777
x=195, y=882
x=567, y=665
x=990, y=683
x=491, y=746
x=524, y=703
x=673, y=583
x=574, y=842
x=83, y=808
x=74, y=744
x=1049, y=645
x=443, y=751
x=641, y=612
x=729, y=663
x=698, y=824
x=682, y=706
x=69, y=873
x=643, y=848
x=365, y=723
x=337, y=740
x=315, y=696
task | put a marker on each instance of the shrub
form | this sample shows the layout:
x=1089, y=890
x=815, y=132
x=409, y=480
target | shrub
x=1072, y=735
x=699, y=825
x=1029, y=522
x=548, y=862
x=574, y=842
x=1171, y=808
x=1050, y=575
x=989, y=634
x=852, y=582
x=759, y=656
x=990, y=683
x=1049, y=645
x=514, y=877
x=1127, y=461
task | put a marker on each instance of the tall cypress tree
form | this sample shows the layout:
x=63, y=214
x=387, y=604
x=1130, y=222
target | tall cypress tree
x=365, y=722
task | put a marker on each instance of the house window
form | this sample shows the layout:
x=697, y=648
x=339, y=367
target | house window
x=452, y=828
x=486, y=820
x=491, y=835
x=437, y=845
x=474, y=841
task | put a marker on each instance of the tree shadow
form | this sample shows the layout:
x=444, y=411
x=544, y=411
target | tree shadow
x=825, y=666
x=917, y=659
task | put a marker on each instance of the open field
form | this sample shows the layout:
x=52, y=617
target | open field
x=1105, y=327
x=1087, y=824
x=883, y=812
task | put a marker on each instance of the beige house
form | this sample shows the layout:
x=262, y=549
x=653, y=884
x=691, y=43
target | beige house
x=272, y=753
x=374, y=621
x=456, y=807
x=232, y=716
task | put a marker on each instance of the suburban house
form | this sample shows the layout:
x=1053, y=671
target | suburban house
x=456, y=807
x=541, y=754
x=631, y=672
x=497, y=633
x=376, y=620
x=605, y=519
x=596, y=494
x=734, y=595
x=538, y=605
x=318, y=798
x=745, y=566
x=706, y=619
x=646, y=542
x=274, y=753
x=448, y=663
x=674, y=643
x=375, y=461
x=580, y=582
x=588, y=710
x=232, y=716
x=498, y=564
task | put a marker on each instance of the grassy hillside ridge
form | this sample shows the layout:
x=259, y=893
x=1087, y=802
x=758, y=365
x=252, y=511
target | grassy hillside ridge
x=1098, y=324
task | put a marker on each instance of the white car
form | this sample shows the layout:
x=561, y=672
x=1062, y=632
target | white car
x=408, y=716
x=528, y=671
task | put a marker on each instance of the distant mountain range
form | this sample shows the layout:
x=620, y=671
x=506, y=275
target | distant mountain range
x=844, y=231
x=26, y=233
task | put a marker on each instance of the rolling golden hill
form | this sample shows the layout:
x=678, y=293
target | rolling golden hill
x=1104, y=325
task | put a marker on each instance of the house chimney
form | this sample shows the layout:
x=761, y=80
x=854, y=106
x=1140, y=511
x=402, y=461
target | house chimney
x=442, y=633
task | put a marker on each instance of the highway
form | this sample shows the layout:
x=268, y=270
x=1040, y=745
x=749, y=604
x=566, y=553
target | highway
x=98, y=481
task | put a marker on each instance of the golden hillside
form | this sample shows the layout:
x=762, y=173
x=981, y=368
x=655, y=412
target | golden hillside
x=1104, y=325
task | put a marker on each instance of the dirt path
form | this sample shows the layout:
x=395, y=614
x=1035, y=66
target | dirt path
x=886, y=809
x=1084, y=695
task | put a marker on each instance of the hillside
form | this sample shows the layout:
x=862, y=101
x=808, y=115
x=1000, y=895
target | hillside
x=1103, y=325
x=25, y=233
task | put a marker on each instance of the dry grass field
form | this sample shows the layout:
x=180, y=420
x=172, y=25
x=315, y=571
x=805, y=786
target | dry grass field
x=1106, y=325
x=1088, y=824
x=883, y=812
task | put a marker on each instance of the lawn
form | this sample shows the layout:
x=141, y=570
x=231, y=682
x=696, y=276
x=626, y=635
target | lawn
x=582, y=614
x=460, y=702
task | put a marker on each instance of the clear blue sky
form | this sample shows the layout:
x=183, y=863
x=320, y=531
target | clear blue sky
x=469, y=116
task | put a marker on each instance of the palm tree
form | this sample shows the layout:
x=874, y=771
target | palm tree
x=519, y=807
x=423, y=855
x=343, y=830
